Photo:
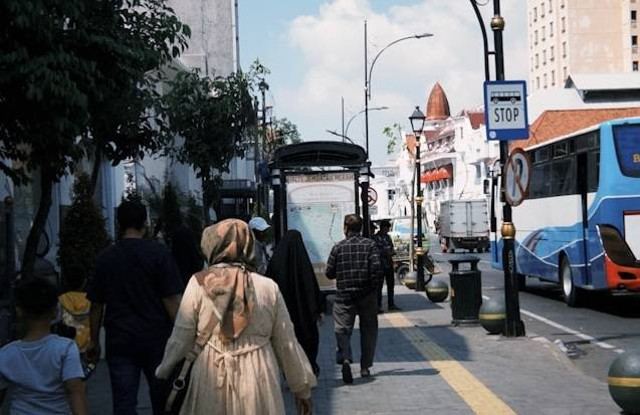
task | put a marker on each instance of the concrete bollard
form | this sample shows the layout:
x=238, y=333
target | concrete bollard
x=624, y=382
x=437, y=291
x=493, y=314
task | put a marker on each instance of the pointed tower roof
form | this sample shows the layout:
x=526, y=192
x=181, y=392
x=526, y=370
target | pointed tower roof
x=437, y=104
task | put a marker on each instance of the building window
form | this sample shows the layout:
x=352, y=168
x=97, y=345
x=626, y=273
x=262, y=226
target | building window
x=562, y=4
x=544, y=57
x=634, y=44
x=563, y=22
x=553, y=78
x=544, y=33
x=535, y=37
x=537, y=82
x=552, y=56
x=542, y=9
x=564, y=49
x=545, y=80
x=635, y=66
x=564, y=73
x=634, y=17
x=550, y=6
x=535, y=14
x=550, y=29
x=537, y=60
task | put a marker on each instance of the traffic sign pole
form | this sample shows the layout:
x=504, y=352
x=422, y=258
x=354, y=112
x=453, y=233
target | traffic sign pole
x=514, y=326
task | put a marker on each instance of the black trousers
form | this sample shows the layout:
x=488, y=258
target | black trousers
x=390, y=279
x=344, y=316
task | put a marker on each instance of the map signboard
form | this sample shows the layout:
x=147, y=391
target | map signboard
x=316, y=206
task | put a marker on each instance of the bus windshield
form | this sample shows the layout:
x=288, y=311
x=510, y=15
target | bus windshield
x=627, y=139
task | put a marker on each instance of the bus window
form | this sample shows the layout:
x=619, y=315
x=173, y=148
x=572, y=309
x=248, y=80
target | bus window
x=563, y=177
x=540, y=181
x=541, y=154
x=627, y=139
x=560, y=149
x=593, y=170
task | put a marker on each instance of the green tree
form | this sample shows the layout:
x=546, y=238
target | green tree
x=210, y=117
x=59, y=77
x=394, y=136
x=282, y=132
x=83, y=233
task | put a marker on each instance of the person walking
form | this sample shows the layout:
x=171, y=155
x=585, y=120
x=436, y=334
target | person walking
x=42, y=372
x=385, y=245
x=260, y=227
x=138, y=282
x=354, y=263
x=248, y=335
x=291, y=268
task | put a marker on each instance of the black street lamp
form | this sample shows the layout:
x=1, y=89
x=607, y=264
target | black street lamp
x=417, y=119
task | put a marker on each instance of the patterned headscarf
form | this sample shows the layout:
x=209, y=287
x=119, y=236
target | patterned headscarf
x=229, y=248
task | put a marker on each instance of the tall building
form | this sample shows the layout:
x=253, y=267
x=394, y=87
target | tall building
x=569, y=37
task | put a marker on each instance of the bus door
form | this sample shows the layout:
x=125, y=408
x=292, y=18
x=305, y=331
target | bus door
x=583, y=175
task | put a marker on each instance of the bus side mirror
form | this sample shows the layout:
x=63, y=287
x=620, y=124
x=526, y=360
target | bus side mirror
x=486, y=186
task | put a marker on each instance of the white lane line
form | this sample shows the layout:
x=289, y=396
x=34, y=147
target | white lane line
x=590, y=339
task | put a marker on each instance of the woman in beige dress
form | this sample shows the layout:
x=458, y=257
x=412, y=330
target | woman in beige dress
x=238, y=370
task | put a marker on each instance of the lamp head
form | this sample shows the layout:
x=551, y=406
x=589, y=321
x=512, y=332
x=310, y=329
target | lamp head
x=420, y=36
x=417, y=121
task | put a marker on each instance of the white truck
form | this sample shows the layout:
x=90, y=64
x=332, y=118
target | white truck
x=463, y=224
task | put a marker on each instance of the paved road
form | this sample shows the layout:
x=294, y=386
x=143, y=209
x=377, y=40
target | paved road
x=592, y=336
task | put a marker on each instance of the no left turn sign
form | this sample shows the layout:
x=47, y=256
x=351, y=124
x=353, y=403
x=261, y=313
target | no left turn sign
x=517, y=174
x=372, y=196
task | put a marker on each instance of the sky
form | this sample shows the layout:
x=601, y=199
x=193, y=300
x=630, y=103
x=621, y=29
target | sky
x=315, y=51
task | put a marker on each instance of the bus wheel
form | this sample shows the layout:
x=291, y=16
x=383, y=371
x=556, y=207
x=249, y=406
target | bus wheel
x=570, y=292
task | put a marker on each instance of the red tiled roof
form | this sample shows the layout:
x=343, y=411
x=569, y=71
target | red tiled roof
x=476, y=119
x=555, y=123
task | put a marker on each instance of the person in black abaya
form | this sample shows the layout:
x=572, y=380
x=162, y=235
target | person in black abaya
x=290, y=267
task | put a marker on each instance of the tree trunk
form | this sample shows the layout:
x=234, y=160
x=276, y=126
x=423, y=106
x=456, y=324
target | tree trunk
x=206, y=203
x=33, y=239
x=95, y=171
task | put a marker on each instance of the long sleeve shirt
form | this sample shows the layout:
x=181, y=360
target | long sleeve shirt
x=355, y=264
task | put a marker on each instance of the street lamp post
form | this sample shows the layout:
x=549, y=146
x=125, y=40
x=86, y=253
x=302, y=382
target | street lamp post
x=514, y=326
x=417, y=119
x=346, y=130
x=367, y=76
x=263, y=86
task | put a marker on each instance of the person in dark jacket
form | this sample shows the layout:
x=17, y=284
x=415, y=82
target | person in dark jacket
x=291, y=268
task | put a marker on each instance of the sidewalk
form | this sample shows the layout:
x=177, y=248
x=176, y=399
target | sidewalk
x=425, y=365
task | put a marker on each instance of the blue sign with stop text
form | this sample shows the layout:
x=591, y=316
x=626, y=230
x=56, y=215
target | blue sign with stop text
x=505, y=115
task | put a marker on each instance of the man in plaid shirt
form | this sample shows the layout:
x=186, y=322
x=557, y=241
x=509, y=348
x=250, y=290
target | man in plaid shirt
x=355, y=263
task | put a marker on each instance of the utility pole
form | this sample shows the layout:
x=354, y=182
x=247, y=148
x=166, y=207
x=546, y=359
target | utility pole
x=514, y=327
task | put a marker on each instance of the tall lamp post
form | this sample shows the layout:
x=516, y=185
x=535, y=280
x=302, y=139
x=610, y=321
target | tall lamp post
x=346, y=130
x=514, y=326
x=417, y=119
x=367, y=76
x=263, y=86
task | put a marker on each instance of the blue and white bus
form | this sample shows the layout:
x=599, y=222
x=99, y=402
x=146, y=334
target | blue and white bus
x=580, y=225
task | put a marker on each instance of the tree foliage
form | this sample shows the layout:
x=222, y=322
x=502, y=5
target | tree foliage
x=73, y=72
x=394, y=136
x=209, y=118
x=83, y=233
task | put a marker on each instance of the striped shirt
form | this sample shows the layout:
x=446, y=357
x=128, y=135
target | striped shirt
x=354, y=263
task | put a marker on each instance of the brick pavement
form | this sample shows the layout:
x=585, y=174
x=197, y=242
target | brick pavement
x=526, y=375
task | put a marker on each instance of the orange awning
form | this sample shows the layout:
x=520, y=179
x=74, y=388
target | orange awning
x=443, y=174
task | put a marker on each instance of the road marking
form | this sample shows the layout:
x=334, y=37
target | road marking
x=590, y=339
x=476, y=395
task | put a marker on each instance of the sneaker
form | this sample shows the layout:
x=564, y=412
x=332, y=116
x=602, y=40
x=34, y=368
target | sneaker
x=347, y=377
x=365, y=373
x=394, y=307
